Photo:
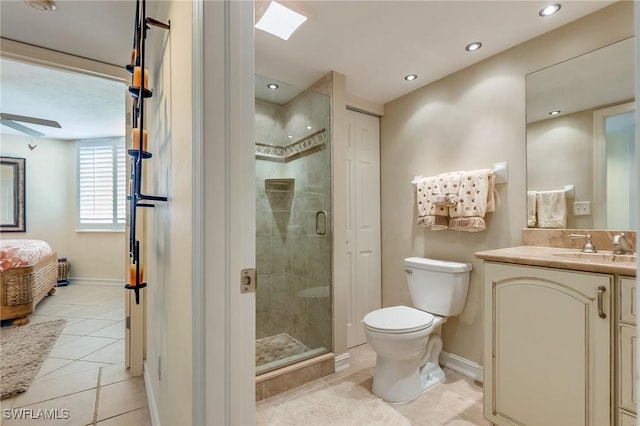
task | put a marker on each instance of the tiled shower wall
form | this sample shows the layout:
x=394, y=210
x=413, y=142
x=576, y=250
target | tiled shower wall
x=293, y=262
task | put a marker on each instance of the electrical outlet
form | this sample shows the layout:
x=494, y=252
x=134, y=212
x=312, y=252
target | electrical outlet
x=582, y=208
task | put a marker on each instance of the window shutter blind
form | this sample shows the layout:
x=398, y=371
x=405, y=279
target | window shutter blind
x=101, y=184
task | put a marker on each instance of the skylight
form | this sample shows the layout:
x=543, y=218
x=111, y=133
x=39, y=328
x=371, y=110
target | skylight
x=280, y=21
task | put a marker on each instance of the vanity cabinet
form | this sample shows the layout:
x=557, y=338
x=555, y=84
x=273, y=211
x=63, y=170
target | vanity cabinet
x=626, y=358
x=547, y=346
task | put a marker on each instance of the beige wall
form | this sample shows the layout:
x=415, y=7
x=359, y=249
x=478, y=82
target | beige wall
x=469, y=120
x=168, y=367
x=50, y=210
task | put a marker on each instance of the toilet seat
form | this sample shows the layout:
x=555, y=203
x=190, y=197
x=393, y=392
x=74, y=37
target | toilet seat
x=397, y=319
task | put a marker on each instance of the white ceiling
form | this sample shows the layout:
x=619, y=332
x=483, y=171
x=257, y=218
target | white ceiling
x=374, y=43
x=86, y=107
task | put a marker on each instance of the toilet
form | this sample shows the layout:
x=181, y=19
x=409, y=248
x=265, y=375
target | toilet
x=406, y=339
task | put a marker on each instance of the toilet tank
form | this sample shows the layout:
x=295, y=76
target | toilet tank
x=437, y=286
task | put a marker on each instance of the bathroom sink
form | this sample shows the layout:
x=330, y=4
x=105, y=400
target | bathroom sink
x=606, y=257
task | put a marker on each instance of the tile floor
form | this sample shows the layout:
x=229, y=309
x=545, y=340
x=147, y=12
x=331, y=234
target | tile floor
x=456, y=401
x=85, y=371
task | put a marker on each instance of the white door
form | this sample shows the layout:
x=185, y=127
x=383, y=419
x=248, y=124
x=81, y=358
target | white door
x=363, y=222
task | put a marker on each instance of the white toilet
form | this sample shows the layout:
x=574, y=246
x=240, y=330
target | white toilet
x=406, y=346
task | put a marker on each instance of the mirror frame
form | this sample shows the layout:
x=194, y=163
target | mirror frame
x=19, y=216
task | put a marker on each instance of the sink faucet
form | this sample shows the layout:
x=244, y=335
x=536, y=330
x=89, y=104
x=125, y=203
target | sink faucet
x=588, y=245
x=621, y=245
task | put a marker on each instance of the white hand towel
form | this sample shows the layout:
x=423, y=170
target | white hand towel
x=475, y=198
x=430, y=215
x=552, y=209
x=532, y=209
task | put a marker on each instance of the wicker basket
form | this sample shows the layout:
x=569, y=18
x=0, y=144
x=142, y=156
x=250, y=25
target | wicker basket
x=63, y=270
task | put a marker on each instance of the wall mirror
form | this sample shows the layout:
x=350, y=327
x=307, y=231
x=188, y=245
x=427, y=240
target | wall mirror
x=12, y=199
x=590, y=143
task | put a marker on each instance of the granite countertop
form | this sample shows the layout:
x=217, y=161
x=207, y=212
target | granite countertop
x=563, y=258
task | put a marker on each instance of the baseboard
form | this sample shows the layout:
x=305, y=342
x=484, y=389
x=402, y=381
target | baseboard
x=342, y=361
x=151, y=399
x=463, y=366
x=96, y=281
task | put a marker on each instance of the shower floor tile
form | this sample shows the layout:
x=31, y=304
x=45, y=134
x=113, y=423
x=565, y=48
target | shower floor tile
x=274, y=348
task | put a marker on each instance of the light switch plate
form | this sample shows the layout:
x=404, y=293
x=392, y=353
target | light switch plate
x=582, y=208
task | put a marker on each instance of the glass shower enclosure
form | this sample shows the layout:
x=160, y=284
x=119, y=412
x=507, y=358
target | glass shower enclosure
x=293, y=231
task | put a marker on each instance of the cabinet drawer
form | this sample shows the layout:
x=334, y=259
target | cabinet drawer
x=627, y=367
x=627, y=300
x=626, y=419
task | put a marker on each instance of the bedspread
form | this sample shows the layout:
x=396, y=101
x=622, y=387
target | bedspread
x=19, y=253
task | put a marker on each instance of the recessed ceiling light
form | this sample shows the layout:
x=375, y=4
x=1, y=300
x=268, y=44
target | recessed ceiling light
x=410, y=77
x=309, y=127
x=42, y=5
x=280, y=21
x=549, y=9
x=473, y=46
x=272, y=86
x=556, y=112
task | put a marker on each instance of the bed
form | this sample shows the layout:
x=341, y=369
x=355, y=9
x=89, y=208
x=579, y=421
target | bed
x=29, y=271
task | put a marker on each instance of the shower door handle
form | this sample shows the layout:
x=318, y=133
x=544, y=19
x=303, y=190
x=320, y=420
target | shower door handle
x=322, y=213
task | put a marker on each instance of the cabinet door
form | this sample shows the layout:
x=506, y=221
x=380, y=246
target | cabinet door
x=547, y=349
x=627, y=367
x=625, y=419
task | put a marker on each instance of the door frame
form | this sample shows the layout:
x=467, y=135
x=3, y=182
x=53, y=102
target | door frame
x=14, y=50
x=223, y=212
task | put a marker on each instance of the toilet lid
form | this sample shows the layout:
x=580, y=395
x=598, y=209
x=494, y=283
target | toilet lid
x=397, y=319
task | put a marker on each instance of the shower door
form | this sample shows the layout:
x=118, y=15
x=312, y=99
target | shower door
x=293, y=225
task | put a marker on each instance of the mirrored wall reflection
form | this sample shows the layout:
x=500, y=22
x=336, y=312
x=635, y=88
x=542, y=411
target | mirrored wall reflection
x=293, y=228
x=587, y=142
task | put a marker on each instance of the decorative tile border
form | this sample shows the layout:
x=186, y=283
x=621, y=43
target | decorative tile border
x=286, y=153
x=270, y=152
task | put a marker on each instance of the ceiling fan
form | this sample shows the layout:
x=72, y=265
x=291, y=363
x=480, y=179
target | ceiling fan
x=10, y=120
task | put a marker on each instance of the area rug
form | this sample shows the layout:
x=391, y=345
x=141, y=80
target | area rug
x=22, y=351
x=346, y=403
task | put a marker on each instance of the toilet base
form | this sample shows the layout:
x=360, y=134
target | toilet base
x=430, y=377
x=401, y=381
